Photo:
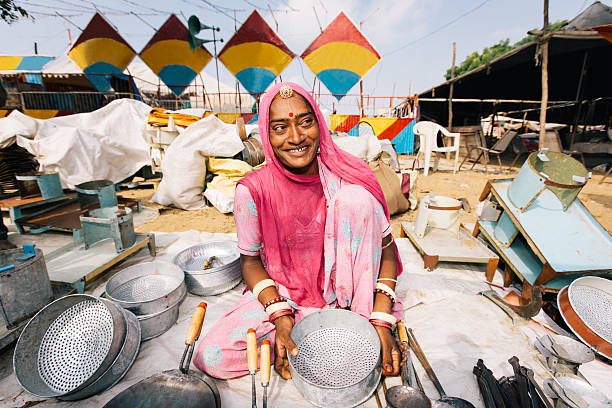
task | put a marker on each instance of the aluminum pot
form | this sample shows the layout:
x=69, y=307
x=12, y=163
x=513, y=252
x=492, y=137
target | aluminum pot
x=121, y=364
x=156, y=324
x=68, y=344
x=224, y=273
x=339, y=360
x=147, y=288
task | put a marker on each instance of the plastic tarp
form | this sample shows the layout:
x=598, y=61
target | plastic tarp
x=184, y=165
x=108, y=143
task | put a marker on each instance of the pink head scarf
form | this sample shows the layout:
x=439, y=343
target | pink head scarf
x=282, y=195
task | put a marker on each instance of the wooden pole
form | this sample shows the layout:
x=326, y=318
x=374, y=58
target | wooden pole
x=361, y=95
x=450, y=96
x=544, y=102
x=579, y=97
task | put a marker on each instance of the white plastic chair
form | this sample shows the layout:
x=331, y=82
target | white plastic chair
x=428, y=137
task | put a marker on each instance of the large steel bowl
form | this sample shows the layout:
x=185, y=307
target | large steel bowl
x=147, y=288
x=224, y=272
x=338, y=364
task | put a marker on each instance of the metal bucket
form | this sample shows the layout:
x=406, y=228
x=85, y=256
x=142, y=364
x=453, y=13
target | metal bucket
x=25, y=288
x=68, y=344
x=109, y=222
x=224, y=274
x=338, y=364
x=156, y=324
x=557, y=173
x=253, y=151
x=100, y=192
x=147, y=288
x=121, y=364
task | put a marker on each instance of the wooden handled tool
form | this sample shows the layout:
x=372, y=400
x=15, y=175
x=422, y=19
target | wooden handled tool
x=265, y=367
x=193, y=333
x=401, y=332
x=252, y=363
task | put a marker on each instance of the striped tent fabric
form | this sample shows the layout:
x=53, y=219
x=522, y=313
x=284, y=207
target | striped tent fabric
x=398, y=130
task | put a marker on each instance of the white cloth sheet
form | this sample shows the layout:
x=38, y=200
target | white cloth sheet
x=453, y=324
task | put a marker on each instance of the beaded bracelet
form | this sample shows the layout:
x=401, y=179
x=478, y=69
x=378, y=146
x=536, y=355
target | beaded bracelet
x=273, y=301
x=280, y=313
x=386, y=289
x=381, y=323
x=386, y=294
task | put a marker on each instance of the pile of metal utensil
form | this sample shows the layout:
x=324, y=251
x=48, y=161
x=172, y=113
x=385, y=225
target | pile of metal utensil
x=210, y=268
x=75, y=347
x=518, y=391
x=152, y=291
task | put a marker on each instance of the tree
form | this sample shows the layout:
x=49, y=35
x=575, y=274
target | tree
x=474, y=60
x=10, y=12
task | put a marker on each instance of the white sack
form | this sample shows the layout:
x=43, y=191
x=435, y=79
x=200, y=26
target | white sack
x=367, y=147
x=107, y=143
x=220, y=200
x=184, y=164
x=16, y=123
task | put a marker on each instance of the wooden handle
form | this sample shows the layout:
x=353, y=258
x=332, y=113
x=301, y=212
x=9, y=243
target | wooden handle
x=264, y=365
x=252, y=350
x=195, y=327
x=241, y=129
x=401, y=331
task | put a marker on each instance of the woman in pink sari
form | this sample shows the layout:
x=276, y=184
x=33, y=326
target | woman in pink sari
x=313, y=233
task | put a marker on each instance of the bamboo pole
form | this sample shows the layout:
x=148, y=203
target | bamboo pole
x=578, y=106
x=544, y=102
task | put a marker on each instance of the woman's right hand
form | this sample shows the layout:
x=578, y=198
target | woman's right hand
x=283, y=344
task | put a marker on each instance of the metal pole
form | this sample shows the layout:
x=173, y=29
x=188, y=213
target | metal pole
x=361, y=94
x=450, y=97
x=579, y=96
x=217, y=68
x=544, y=101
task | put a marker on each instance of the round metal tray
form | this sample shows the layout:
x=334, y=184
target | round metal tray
x=68, y=344
x=224, y=274
x=147, y=288
x=591, y=299
x=339, y=359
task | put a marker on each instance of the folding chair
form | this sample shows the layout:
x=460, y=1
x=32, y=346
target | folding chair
x=497, y=149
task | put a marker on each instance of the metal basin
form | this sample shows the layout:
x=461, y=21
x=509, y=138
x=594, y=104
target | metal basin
x=120, y=365
x=224, y=273
x=156, y=324
x=68, y=344
x=147, y=288
x=339, y=360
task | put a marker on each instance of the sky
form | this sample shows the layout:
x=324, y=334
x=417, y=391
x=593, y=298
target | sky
x=414, y=37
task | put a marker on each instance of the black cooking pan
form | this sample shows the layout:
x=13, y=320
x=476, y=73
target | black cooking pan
x=174, y=388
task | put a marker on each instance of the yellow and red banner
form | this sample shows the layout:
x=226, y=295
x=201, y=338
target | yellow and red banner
x=397, y=130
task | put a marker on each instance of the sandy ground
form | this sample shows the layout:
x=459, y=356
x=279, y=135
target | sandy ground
x=468, y=184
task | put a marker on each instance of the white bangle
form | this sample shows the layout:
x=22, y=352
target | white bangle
x=387, y=279
x=261, y=285
x=278, y=306
x=386, y=317
x=387, y=290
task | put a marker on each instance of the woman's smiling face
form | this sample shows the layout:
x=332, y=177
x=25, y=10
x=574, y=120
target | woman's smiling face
x=294, y=134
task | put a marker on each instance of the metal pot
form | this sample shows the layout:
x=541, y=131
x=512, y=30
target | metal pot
x=120, y=365
x=67, y=345
x=339, y=360
x=147, y=288
x=224, y=274
x=156, y=324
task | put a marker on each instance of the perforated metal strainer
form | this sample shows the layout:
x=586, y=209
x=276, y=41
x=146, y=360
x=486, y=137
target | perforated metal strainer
x=68, y=344
x=591, y=299
x=338, y=363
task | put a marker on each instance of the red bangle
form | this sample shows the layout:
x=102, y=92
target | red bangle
x=386, y=294
x=280, y=313
x=273, y=301
x=381, y=323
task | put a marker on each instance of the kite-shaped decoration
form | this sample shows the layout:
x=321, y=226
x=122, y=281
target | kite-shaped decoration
x=100, y=52
x=168, y=54
x=340, y=56
x=255, y=54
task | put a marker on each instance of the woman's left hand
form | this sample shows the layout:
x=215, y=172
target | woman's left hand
x=391, y=355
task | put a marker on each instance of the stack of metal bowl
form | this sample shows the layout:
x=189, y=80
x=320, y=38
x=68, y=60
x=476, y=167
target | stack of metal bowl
x=75, y=347
x=210, y=268
x=152, y=291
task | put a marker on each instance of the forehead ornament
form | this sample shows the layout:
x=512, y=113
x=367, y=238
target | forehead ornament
x=285, y=92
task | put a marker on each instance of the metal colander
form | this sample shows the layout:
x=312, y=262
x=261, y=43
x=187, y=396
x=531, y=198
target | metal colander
x=148, y=287
x=68, y=345
x=75, y=345
x=335, y=357
x=338, y=363
x=591, y=299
